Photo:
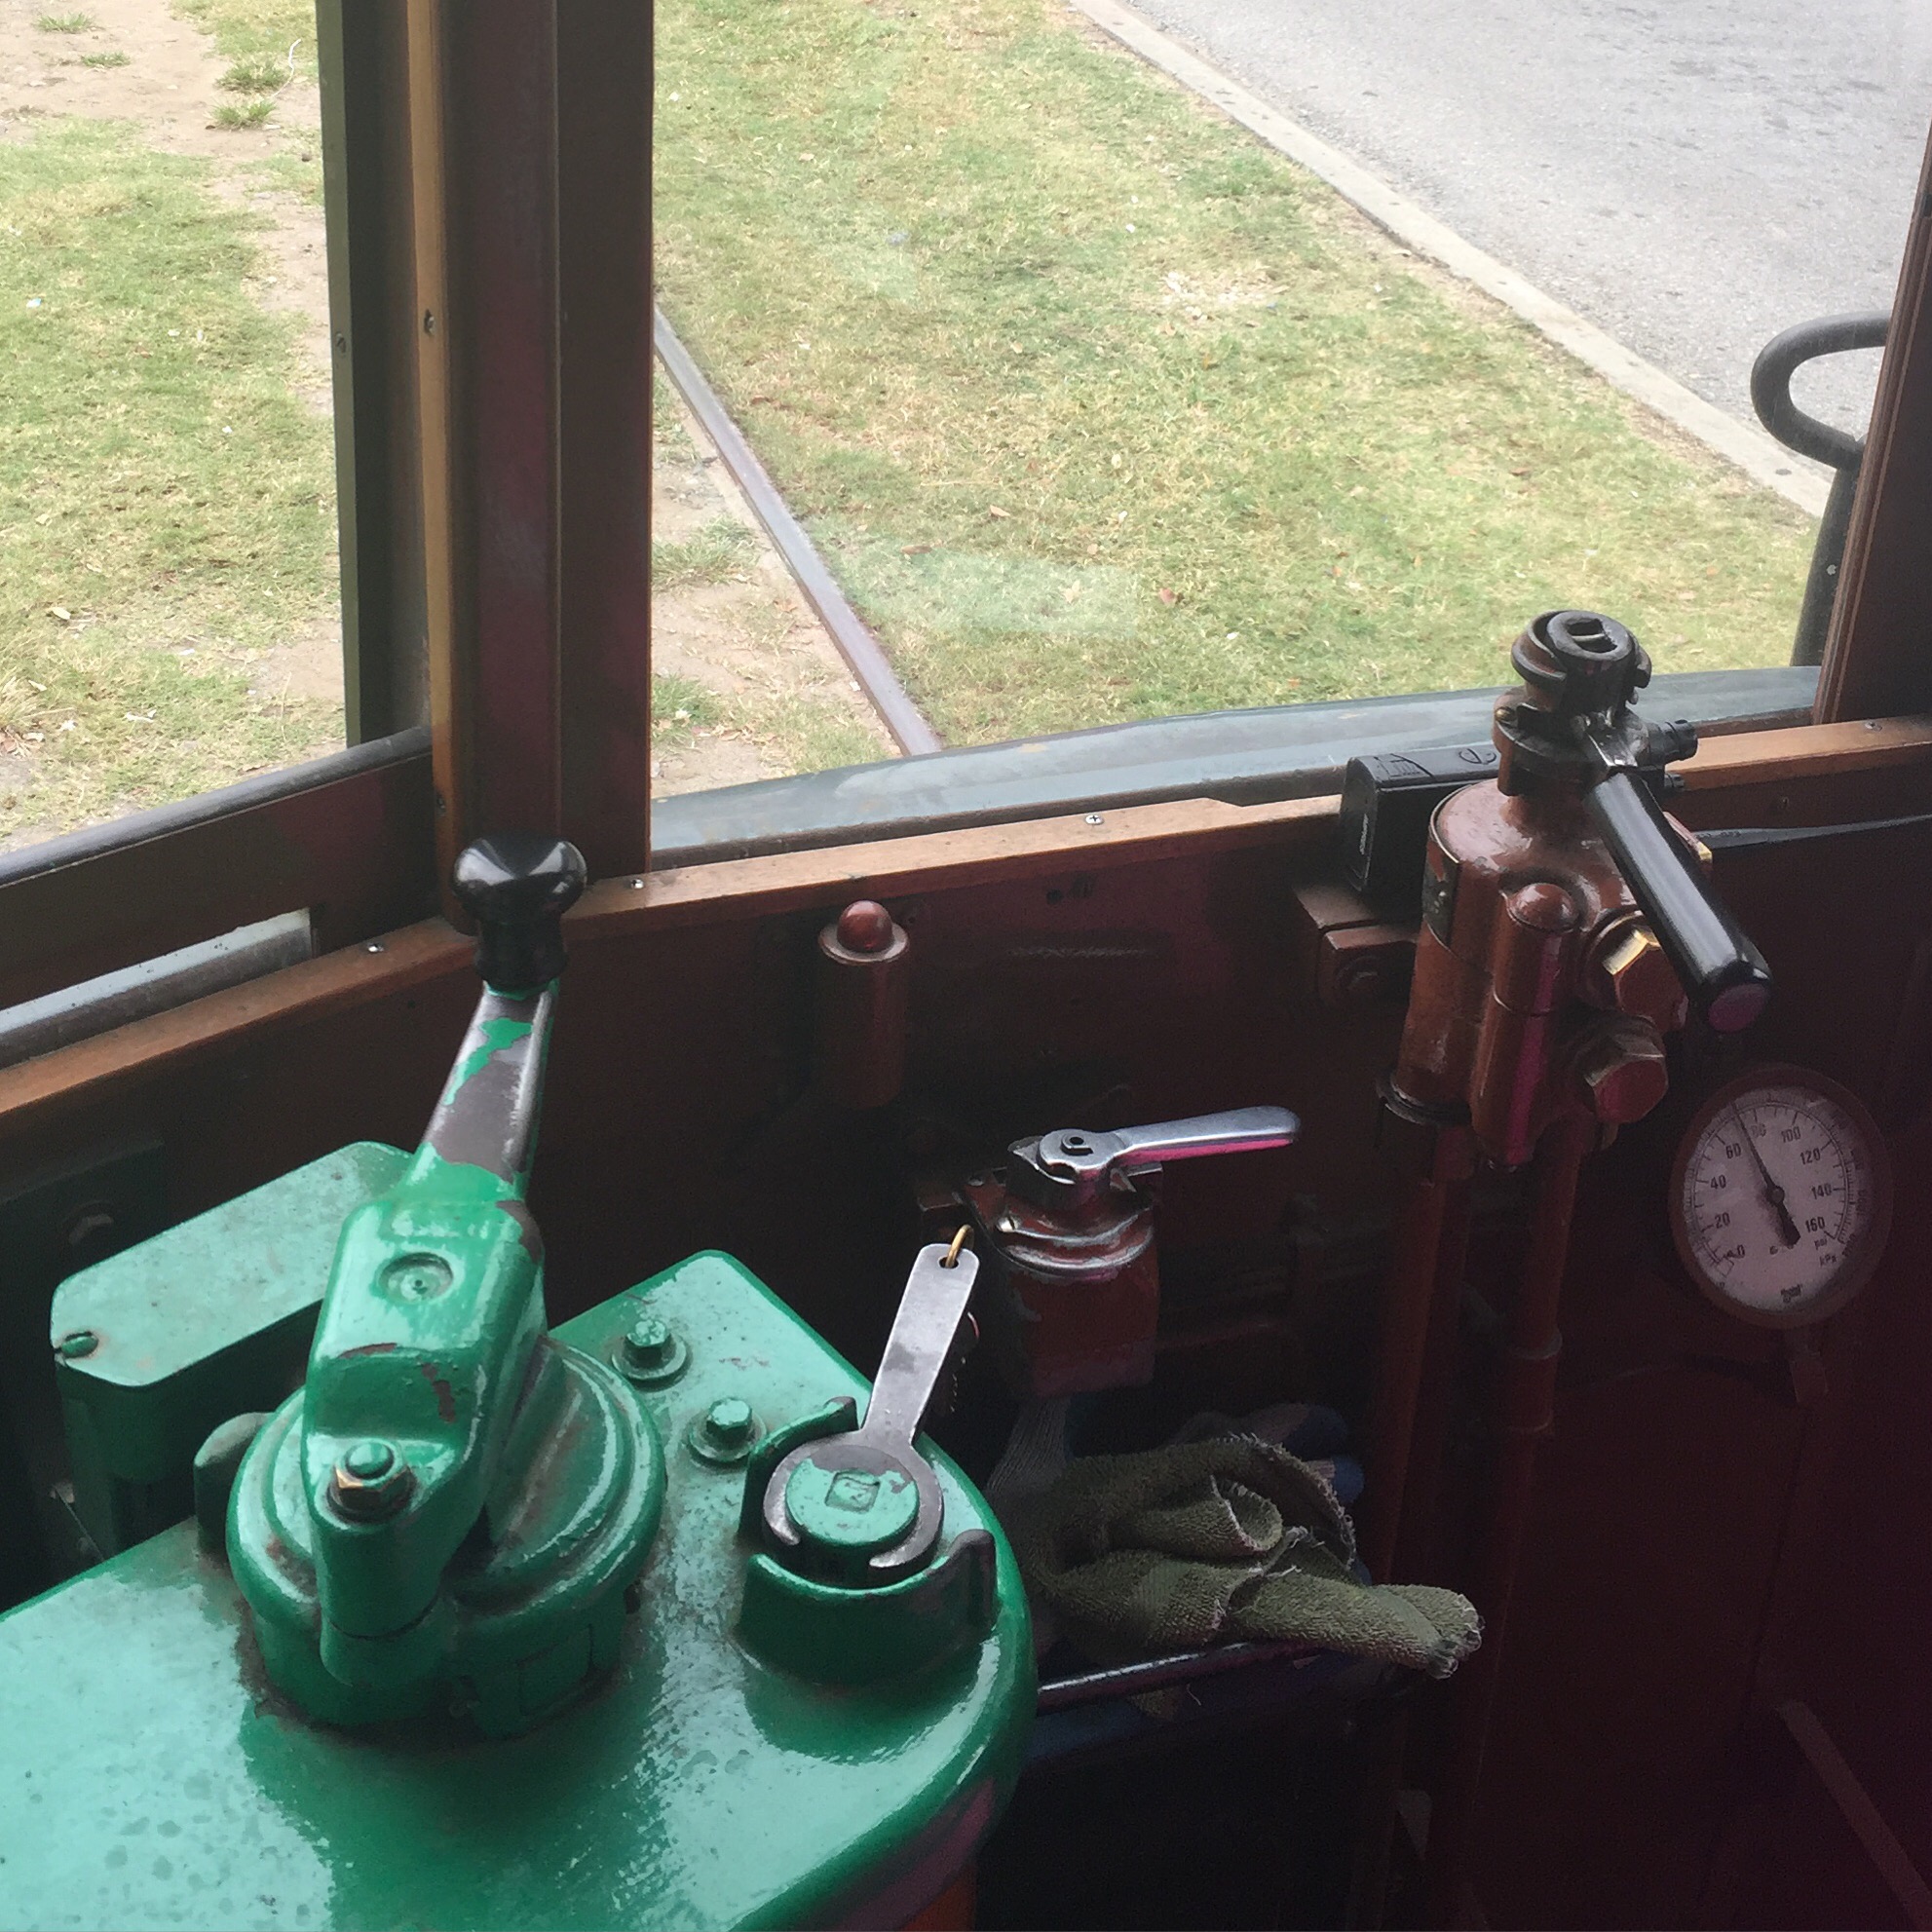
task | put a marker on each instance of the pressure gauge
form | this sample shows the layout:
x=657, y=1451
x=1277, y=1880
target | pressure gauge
x=1781, y=1196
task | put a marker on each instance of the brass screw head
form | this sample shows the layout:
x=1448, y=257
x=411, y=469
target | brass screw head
x=1625, y=1073
x=1643, y=983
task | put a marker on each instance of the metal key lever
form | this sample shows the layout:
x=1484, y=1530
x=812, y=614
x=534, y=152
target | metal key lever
x=1071, y=1168
x=865, y=1506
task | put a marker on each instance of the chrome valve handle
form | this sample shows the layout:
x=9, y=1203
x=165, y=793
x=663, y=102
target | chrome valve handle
x=1073, y=1168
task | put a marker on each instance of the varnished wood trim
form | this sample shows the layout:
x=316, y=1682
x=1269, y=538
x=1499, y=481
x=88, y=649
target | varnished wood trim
x=1876, y=658
x=425, y=94
x=889, y=868
x=616, y=909
x=1808, y=751
x=357, y=975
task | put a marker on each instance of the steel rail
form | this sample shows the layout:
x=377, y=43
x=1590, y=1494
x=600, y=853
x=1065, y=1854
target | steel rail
x=855, y=644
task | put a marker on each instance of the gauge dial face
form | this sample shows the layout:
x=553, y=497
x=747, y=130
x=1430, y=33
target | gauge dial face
x=1781, y=1196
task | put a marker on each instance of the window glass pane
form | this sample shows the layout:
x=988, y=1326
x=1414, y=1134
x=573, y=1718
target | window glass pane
x=1101, y=408
x=168, y=577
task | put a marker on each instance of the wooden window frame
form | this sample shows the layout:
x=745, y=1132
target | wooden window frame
x=489, y=205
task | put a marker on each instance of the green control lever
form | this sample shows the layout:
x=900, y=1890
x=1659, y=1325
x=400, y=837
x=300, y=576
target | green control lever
x=865, y=1506
x=453, y=1491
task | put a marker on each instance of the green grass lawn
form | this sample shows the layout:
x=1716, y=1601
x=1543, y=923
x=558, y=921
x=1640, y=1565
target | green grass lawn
x=167, y=503
x=1102, y=410
x=167, y=499
x=258, y=38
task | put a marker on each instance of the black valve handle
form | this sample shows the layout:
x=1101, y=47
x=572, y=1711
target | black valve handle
x=1723, y=974
x=517, y=886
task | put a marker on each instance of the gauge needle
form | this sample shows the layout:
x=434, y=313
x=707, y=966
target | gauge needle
x=1773, y=1194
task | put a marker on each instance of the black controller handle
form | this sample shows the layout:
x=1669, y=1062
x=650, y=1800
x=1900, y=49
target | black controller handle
x=1723, y=973
x=517, y=886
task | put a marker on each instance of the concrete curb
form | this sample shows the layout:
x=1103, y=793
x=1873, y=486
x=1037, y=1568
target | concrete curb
x=1762, y=459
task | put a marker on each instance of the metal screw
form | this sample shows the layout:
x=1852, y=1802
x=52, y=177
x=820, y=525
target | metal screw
x=429, y=322
x=83, y=1341
x=371, y=1481
x=1361, y=982
x=416, y=1277
x=729, y=1423
x=369, y=1461
x=638, y=885
x=1095, y=818
x=649, y=1342
x=724, y=1433
x=651, y=1353
x=372, y=947
x=342, y=345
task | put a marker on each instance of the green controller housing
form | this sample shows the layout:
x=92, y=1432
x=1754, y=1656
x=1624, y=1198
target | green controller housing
x=761, y=1749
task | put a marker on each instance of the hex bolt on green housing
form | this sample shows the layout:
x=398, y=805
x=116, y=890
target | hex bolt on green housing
x=724, y=1433
x=651, y=1354
x=518, y=1668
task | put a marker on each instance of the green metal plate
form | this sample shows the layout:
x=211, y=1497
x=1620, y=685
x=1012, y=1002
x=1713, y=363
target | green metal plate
x=194, y=1325
x=149, y=1776
x=168, y=1307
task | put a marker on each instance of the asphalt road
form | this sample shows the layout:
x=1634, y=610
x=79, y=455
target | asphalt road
x=1693, y=175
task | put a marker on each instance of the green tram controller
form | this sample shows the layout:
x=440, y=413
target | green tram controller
x=632, y=1622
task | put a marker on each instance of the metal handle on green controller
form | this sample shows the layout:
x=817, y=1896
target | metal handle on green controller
x=830, y=1500
x=426, y=1362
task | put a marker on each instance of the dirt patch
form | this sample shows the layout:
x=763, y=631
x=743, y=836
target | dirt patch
x=752, y=640
x=785, y=700
x=168, y=88
x=308, y=665
x=165, y=79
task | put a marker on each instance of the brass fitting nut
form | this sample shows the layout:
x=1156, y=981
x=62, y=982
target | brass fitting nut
x=1638, y=977
x=371, y=1481
x=1622, y=1072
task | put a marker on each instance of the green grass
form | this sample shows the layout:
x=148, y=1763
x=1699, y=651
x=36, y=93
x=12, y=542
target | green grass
x=680, y=708
x=794, y=733
x=251, y=115
x=65, y=22
x=671, y=443
x=295, y=171
x=1102, y=410
x=114, y=57
x=166, y=502
x=720, y=551
x=249, y=31
x=259, y=73
x=804, y=734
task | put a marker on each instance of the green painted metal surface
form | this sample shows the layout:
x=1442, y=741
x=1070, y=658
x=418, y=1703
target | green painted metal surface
x=453, y=1506
x=150, y=1775
x=169, y=1338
